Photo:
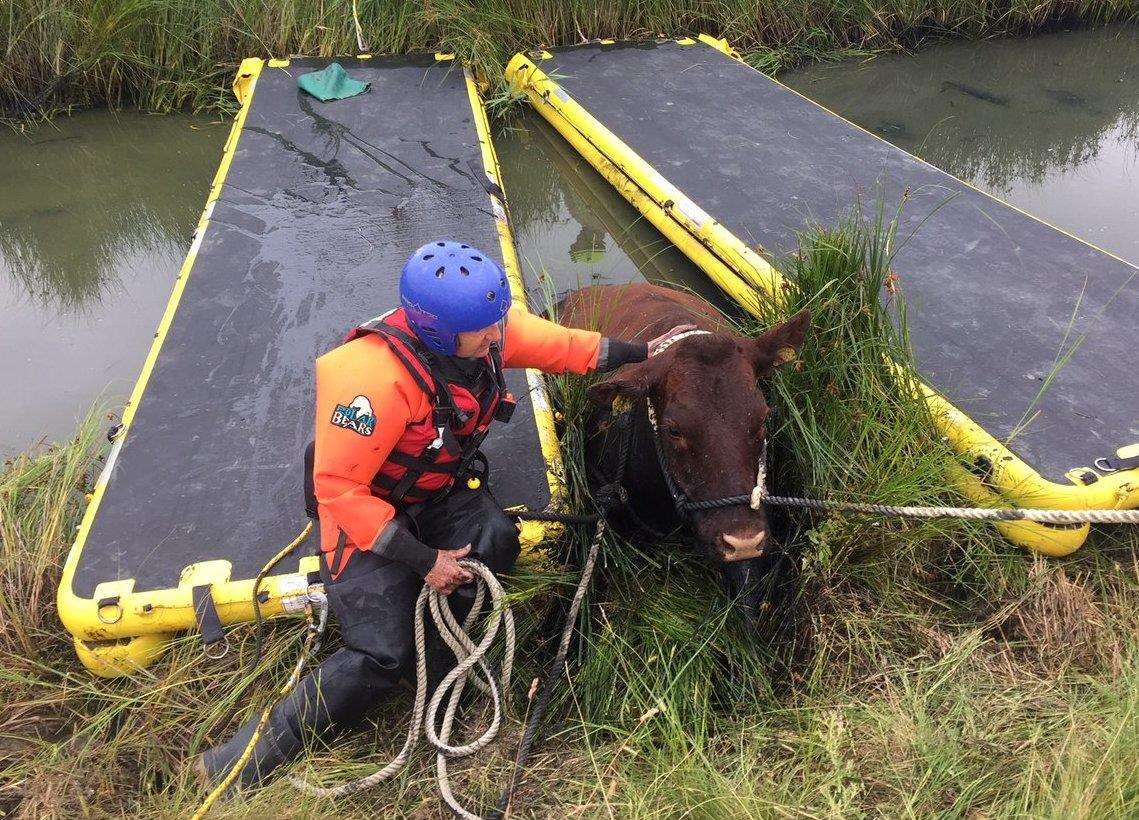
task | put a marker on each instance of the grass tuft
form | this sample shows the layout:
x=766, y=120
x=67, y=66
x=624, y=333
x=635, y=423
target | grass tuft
x=173, y=54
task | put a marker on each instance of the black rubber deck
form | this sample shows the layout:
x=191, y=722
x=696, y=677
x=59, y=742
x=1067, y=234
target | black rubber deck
x=320, y=209
x=994, y=295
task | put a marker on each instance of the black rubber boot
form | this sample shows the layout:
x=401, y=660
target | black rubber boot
x=332, y=698
x=277, y=744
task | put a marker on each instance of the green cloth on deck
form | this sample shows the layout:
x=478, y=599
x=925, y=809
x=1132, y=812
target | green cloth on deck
x=331, y=83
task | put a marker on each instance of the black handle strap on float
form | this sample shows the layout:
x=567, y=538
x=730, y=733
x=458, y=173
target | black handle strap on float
x=209, y=622
x=492, y=188
x=1118, y=463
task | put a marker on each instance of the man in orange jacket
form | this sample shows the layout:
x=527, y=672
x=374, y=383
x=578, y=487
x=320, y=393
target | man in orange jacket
x=401, y=409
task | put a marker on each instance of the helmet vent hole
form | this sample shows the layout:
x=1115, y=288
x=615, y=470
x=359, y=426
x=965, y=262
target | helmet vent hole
x=464, y=271
x=491, y=296
x=428, y=256
x=441, y=244
x=465, y=247
x=439, y=272
x=502, y=282
x=476, y=258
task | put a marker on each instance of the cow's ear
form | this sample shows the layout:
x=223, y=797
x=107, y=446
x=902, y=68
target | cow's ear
x=780, y=345
x=631, y=382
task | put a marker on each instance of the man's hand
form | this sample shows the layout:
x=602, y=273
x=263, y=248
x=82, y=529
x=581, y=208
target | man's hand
x=676, y=331
x=447, y=576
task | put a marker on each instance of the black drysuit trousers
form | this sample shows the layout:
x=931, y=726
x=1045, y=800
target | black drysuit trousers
x=373, y=599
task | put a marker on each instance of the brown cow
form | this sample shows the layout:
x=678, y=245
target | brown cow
x=711, y=413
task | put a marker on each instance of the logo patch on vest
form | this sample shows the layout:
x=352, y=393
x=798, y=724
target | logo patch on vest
x=357, y=416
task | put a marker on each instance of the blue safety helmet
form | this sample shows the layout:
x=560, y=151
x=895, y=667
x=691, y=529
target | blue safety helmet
x=448, y=288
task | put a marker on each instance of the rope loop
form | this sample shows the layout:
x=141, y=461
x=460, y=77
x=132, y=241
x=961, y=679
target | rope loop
x=472, y=667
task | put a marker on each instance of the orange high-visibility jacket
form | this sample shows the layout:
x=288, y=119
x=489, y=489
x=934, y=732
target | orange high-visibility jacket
x=366, y=401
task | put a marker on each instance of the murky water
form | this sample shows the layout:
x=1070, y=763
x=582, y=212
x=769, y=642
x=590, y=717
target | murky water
x=95, y=218
x=97, y=211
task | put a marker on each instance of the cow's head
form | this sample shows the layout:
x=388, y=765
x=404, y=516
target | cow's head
x=712, y=424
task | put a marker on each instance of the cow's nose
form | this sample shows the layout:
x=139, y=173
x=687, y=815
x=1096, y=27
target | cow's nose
x=741, y=548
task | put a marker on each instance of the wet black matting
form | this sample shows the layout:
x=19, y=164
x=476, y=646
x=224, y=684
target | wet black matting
x=320, y=209
x=993, y=295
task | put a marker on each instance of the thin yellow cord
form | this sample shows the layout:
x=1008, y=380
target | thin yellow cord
x=237, y=767
x=280, y=556
x=363, y=46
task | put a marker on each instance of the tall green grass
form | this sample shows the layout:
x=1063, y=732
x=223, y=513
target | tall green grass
x=166, y=54
x=923, y=669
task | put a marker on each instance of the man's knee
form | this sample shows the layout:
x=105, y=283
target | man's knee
x=374, y=602
x=500, y=538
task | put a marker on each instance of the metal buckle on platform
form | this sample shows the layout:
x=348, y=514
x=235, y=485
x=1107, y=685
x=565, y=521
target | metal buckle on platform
x=1102, y=465
x=111, y=604
x=214, y=655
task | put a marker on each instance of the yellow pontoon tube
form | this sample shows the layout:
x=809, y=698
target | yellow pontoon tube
x=729, y=165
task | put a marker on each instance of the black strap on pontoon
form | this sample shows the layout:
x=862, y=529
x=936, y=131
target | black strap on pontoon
x=206, y=614
x=1115, y=464
x=492, y=188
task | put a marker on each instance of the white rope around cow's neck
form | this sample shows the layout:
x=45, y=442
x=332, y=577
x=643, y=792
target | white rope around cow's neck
x=425, y=716
x=1055, y=517
x=665, y=344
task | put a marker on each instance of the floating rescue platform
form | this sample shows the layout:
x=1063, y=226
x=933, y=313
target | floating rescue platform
x=312, y=213
x=1024, y=335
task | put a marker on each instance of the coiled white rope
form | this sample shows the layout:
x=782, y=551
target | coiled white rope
x=470, y=656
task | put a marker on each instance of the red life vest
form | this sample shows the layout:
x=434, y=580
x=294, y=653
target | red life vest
x=433, y=452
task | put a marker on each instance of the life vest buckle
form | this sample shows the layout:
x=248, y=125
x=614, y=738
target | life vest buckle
x=505, y=409
x=437, y=445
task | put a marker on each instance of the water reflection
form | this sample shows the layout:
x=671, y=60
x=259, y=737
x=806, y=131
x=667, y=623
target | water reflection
x=97, y=214
x=571, y=225
x=98, y=209
x=1051, y=122
x=86, y=193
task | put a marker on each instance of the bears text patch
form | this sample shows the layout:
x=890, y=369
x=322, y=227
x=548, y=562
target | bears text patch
x=357, y=416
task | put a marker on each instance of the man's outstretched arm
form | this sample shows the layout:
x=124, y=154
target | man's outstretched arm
x=532, y=341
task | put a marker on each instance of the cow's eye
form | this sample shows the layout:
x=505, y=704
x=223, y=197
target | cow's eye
x=673, y=432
